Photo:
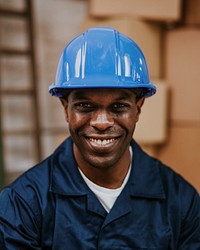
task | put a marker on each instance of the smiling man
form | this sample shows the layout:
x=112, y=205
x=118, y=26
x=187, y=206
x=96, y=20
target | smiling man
x=99, y=190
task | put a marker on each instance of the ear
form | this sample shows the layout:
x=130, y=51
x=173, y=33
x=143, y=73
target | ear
x=65, y=106
x=139, y=105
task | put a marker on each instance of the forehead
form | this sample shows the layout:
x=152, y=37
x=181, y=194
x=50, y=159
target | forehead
x=102, y=93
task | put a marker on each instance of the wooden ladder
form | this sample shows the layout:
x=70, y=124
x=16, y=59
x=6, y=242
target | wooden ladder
x=19, y=104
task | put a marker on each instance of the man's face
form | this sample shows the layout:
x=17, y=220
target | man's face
x=101, y=123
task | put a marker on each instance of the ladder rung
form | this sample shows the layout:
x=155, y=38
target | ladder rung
x=17, y=91
x=15, y=52
x=13, y=13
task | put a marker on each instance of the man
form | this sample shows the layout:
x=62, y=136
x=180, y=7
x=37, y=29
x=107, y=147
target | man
x=99, y=190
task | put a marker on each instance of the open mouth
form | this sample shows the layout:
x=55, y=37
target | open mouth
x=102, y=144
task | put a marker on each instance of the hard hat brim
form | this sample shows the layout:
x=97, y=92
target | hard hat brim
x=148, y=89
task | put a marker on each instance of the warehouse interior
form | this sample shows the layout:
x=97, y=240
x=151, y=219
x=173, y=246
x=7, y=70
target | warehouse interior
x=33, y=34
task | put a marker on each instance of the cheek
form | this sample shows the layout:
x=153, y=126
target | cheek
x=127, y=122
x=77, y=120
x=130, y=118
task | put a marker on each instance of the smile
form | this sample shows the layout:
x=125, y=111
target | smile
x=102, y=142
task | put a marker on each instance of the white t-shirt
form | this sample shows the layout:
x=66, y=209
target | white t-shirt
x=106, y=196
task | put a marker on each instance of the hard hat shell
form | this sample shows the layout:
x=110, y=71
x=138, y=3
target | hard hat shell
x=102, y=57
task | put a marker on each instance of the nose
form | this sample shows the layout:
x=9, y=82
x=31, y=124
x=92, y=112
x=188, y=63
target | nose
x=101, y=120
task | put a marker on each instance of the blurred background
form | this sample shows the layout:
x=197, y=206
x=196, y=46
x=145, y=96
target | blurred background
x=32, y=37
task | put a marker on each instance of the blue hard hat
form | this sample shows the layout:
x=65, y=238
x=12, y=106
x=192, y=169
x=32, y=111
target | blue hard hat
x=102, y=57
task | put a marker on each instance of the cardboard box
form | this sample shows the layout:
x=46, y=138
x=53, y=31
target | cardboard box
x=182, y=152
x=151, y=128
x=182, y=60
x=191, y=12
x=147, y=35
x=163, y=10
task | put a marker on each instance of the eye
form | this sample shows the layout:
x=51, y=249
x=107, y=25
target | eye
x=120, y=107
x=84, y=106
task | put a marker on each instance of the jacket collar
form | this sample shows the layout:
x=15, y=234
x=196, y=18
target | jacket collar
x=145, y=179
x=65, y=176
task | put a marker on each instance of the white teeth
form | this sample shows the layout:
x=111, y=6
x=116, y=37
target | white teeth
x=102, y=142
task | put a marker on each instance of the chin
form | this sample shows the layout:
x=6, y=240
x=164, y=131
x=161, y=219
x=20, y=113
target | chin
x=102, y=163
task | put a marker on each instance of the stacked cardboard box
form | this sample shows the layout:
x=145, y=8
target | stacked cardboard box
x=182, y=60
x=162, y=10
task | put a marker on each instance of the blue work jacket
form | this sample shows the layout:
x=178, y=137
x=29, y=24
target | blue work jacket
x=51, y=207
